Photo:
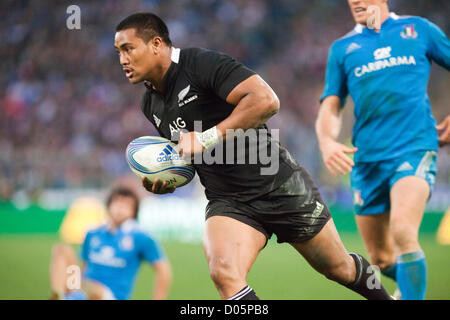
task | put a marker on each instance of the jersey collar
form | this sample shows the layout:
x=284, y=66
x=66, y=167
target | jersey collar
x=171, y=72
x=125, y=227
x=175, y=56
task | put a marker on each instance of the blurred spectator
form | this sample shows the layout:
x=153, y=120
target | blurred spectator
x=68, y=111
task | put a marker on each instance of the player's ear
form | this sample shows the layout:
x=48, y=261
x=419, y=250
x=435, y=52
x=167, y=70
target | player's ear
x=156, y=44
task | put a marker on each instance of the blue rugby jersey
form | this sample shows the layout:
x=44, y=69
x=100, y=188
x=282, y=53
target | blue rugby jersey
x=386, y=74
x=113, y=259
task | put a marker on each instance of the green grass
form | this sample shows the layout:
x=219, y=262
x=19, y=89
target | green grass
x=279, y=272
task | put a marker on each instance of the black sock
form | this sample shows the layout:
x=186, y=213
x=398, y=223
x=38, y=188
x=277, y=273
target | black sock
x=364, y=283
x=245, y=294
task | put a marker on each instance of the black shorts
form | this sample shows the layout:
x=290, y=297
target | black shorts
x=294, y=212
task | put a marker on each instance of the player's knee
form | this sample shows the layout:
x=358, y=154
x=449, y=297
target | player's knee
x=381, y=258
x=403, y=234
x=222, y=272
x=383, y=262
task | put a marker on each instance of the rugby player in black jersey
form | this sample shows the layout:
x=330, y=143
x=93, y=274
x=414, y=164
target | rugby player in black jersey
x=245, y=206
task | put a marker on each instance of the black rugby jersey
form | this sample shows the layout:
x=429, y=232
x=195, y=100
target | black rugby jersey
x=195, y=87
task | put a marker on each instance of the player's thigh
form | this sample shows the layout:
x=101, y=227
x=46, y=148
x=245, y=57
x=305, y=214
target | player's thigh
x=231, y=244
x=326, y=253
x=370, y=187
x=411, y=186
x=409, y=196
x=375, y=232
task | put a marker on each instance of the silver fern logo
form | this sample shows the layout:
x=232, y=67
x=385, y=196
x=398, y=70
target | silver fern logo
x=183, y=93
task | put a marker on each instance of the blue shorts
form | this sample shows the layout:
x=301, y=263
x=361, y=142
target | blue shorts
x=372, y=181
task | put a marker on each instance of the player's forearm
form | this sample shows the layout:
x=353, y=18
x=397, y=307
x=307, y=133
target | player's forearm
x=252, y=111
x=163, y=280
x=329, y=120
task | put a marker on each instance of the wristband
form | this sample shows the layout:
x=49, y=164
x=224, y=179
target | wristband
x=208, y=138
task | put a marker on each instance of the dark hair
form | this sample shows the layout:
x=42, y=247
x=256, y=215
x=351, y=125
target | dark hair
x=148, y=25
x=123, y=192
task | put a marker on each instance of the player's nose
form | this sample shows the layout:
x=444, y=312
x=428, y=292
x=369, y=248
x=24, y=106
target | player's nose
x=124, y=60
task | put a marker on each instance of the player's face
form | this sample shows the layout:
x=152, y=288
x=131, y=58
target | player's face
x=136, y=57
x=359, y=9
x=121, y=209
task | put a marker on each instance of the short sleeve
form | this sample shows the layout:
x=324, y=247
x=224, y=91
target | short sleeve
x=335, y=78
x=438, y=45
x=219, y=72
x=151, y=250
x=84, y=250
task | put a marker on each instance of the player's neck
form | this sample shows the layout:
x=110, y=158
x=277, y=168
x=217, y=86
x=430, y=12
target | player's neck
x=157, y=78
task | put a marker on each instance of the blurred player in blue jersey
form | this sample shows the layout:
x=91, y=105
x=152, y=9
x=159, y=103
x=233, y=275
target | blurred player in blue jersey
x=385, y=69
x=111, y=256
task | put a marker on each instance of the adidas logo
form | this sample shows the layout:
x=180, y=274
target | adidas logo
x=157, y=121
x=168, y=154
x=352, y=47
x=405, y=166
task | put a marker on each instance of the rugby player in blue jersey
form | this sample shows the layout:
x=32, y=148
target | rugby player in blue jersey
x=385, y=69
x=111, y=256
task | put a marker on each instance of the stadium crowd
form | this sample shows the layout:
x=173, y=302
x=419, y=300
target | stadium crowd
x=68, y=112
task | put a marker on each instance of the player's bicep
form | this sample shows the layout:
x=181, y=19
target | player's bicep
x=151, y=250
x=254, y=85
x=439, y=46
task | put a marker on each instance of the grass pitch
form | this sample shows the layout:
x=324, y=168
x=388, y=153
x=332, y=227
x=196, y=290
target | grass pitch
x=279, y=272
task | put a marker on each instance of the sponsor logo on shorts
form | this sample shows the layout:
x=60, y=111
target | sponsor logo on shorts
x=316, y=213
x=357, y=199
x=318, y=210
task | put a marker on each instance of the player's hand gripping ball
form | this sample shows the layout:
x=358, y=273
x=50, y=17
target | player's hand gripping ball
x=156, y=161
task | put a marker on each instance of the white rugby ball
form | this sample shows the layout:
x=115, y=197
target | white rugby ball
x=157, y=157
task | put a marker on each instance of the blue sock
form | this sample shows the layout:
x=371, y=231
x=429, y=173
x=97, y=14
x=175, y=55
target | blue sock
x=75, y=295
x=390, y=272
x=412, y=275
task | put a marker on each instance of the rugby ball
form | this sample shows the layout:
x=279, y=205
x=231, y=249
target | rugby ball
x=157, y=157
